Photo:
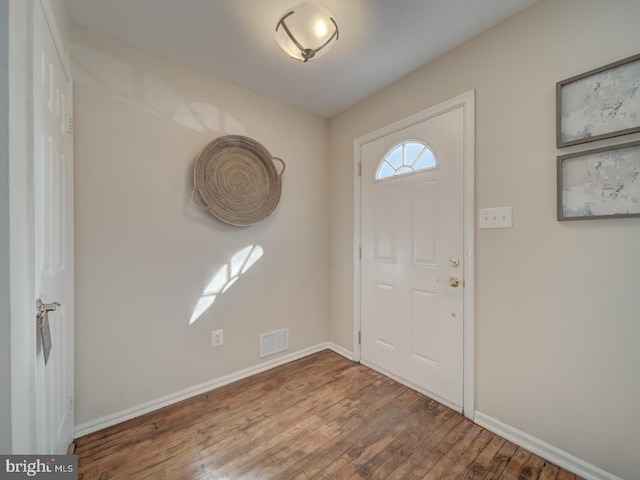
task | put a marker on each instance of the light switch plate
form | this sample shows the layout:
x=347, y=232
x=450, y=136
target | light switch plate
x=500, y=217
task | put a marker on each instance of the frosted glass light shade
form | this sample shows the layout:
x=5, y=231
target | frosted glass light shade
x=306, y=31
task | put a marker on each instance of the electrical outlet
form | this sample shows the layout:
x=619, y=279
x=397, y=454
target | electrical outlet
x=217, y=338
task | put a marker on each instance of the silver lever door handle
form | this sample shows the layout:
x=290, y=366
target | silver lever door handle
x=43, y=308
x=46, y=307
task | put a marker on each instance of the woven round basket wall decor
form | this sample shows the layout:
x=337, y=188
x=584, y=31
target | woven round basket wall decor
x=237, y=180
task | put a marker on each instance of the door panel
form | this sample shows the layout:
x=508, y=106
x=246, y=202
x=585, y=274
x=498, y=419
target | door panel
x=425, y=327
x=385, y=231
x=411, y=226
x=53, y=228
x=425, y=224
x=385, y=305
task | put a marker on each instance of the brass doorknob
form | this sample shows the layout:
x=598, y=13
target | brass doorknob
x=451, y=281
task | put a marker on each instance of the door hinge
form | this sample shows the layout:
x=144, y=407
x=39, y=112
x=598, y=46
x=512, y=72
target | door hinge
x=70, y=125
x=360, y=337
x=359, y=168
x=360, y=253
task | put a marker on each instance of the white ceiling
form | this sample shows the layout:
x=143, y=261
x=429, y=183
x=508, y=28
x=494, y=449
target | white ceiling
x=380, y=40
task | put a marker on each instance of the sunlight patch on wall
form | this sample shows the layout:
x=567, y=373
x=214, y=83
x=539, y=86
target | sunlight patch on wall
x=228, y=274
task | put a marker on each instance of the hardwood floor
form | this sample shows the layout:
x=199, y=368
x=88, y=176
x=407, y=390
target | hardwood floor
x=319, y=417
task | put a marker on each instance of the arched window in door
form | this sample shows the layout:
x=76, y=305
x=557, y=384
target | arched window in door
x=409, y=156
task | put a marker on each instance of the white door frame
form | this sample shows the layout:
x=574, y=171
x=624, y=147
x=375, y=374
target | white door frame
x=467, y=101
x=21, y=229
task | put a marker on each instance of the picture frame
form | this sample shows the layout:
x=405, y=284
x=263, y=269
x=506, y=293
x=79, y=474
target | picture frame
x=599, y=183
x=598, y=104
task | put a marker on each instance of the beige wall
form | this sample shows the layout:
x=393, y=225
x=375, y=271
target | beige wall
x=557, y=303
x=145, y=253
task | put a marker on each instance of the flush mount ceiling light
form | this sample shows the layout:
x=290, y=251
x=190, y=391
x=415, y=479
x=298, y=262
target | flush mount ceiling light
x=306, y=31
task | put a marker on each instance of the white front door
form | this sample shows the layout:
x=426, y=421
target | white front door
x=412, y=184
x=53, y=217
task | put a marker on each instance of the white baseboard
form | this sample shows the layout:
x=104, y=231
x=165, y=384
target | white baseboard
x=543, y=449
x=119, y=417
x=339, y=350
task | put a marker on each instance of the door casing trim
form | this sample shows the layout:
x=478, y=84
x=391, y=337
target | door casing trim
x=467, y=102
